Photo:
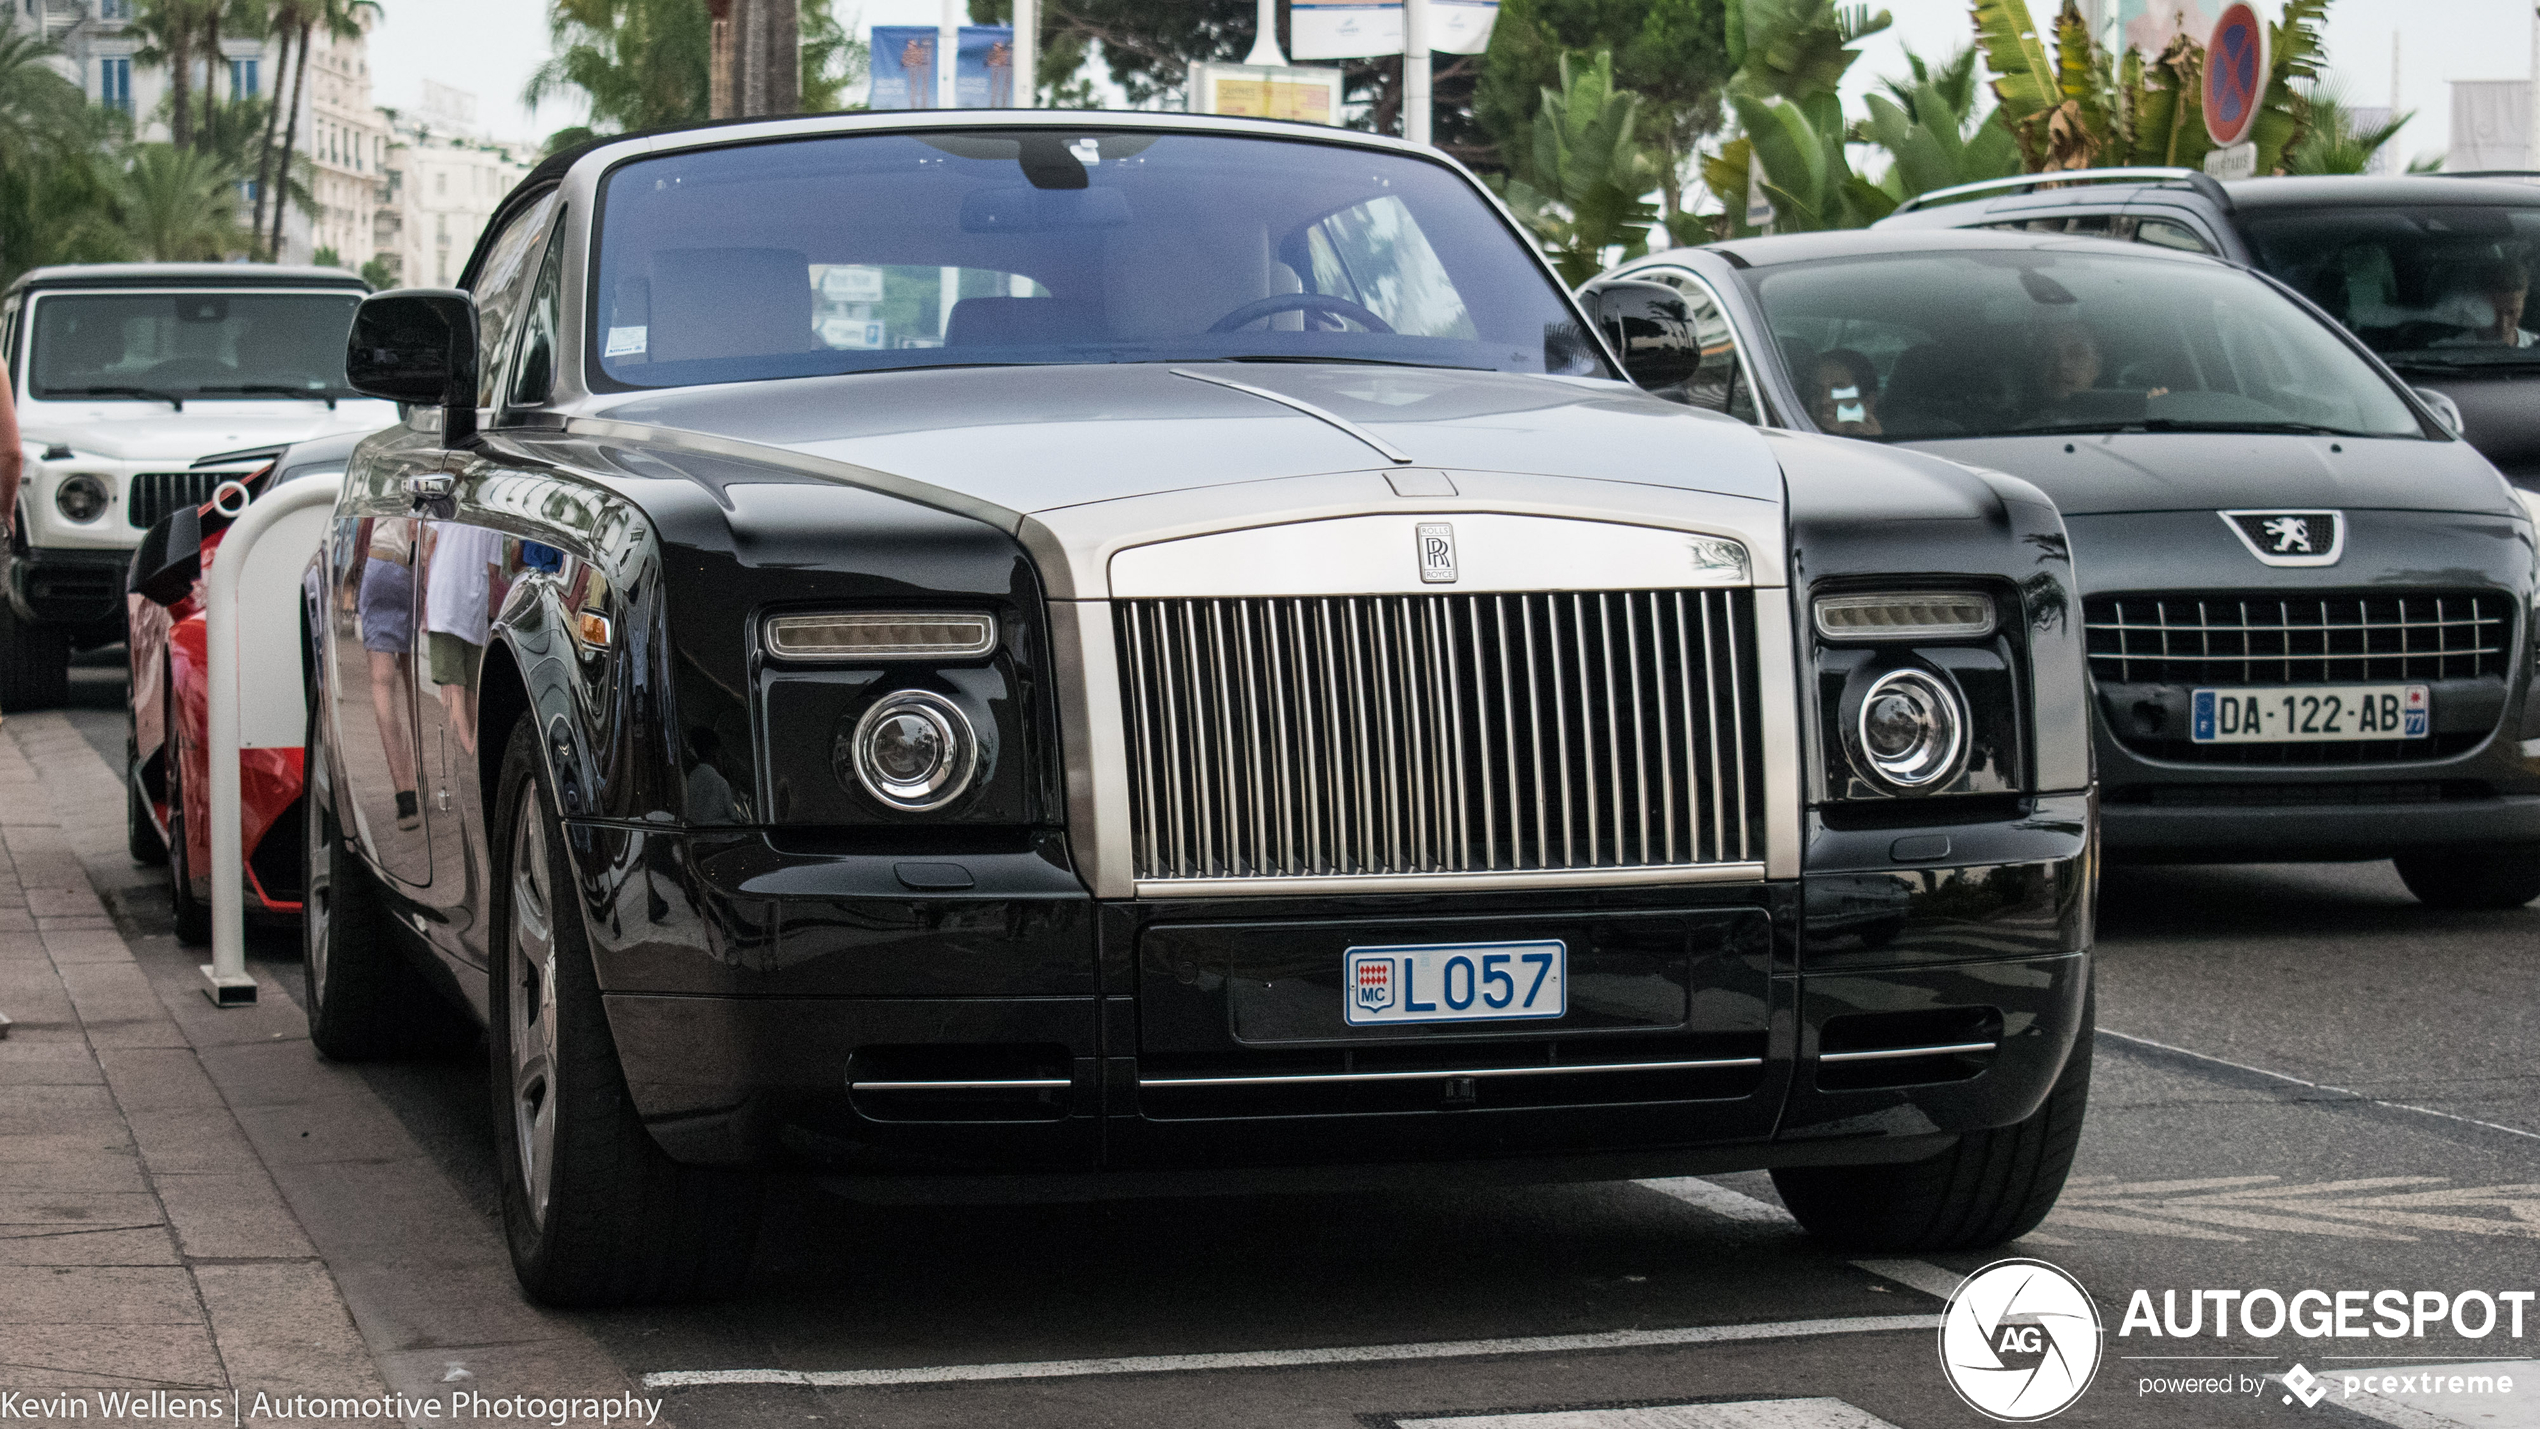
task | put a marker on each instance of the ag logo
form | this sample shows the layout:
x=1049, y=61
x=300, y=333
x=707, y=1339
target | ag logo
x=2020, y=1341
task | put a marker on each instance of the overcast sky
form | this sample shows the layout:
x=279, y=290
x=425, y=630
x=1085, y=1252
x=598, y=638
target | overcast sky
x=490, y=47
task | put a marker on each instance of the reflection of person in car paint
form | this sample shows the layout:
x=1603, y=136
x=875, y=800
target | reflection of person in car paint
x=460, y=571
x=1843, y=394
x=381, y=587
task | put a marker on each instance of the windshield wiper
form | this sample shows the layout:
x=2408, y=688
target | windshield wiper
x=273, y=389
x=1340, y=361
x=2114, y=425
x=2468, y=359
x=151, y=393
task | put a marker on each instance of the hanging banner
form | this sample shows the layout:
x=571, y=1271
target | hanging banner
x=1304, y=92
x=984, y=78
x=904, y=73
x=1352, y=29
x=904, y=66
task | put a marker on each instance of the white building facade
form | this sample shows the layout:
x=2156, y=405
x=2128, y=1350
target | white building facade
x=346, y=138
x=442, y=187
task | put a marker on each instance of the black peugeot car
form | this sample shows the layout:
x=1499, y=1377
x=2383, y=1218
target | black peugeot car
x=2432, y=271
x=2307, y=601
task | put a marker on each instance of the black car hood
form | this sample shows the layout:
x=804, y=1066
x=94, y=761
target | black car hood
x=2196, y=471
x=1036, y=438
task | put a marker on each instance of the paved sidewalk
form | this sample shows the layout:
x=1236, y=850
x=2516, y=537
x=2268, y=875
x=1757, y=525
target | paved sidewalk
x=142, y=1245
x=191, y=1198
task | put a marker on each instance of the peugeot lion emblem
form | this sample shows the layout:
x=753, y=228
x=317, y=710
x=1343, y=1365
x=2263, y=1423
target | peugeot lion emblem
x=2290, y=538
x=1437, y=552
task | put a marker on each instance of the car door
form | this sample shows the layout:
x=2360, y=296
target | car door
x=457, y=570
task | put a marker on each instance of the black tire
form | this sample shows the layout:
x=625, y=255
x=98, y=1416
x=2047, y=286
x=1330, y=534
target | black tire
x=140, y=832
x=1993, y=1186
x=616, y=1221
x=2469, y=876
x=193, y=916
x=365, y=1001
x=35, y=663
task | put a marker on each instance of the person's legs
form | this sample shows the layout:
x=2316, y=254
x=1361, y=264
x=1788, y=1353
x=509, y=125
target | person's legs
x=388, y=677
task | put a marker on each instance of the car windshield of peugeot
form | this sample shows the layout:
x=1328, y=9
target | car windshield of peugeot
x=181, y=347
x=866, y=251
x=2436, y=287
x=1992, y=342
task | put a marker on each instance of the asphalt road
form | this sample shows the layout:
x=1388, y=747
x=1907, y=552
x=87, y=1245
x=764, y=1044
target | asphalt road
x=2303, y=1081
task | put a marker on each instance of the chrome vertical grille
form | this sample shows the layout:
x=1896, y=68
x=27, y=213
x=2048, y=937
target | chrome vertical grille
x=1341, y=736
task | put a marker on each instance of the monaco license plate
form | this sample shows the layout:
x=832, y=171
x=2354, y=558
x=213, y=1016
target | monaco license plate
x=2311, y=714
x=1455, y=982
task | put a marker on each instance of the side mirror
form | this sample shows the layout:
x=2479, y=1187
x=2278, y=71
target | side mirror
x=2446, y=411
x=1652, y=330
x=418, y=346
x=169, y=557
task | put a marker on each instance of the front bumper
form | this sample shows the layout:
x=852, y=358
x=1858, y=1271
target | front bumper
x=2154, y=811
x=809, y=1008
x=76, y=586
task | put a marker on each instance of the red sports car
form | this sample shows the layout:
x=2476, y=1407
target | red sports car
x=167, y=752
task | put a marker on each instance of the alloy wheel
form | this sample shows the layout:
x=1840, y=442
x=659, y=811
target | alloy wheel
x=531, y=1018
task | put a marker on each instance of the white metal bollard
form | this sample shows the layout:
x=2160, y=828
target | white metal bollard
x=226, y=973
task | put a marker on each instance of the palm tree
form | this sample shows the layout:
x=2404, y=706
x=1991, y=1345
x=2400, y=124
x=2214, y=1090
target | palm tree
x=641, y=64
x=170, y=30
x=180, y=204
x=56, y=198
x=342, y=20
x=284, y=20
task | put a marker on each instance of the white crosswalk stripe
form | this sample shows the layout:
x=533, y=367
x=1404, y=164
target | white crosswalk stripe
x=1743, y=1414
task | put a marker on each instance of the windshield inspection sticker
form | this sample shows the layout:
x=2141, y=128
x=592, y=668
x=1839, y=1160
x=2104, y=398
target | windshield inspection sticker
x=626, y=341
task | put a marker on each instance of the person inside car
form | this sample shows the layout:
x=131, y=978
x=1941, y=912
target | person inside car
x=1843, y=394
x=2506, y=285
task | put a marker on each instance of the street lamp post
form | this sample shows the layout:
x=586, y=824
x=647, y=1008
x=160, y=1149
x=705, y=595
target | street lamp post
x=1265, y=39
x=1417, y=101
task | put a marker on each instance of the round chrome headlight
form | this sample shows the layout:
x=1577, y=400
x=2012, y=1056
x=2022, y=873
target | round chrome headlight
x=82, y=498
x=1912, y=728
x=913, y=750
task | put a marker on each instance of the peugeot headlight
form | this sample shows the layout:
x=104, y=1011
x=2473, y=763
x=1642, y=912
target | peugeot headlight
x=1912, y=728
x=82, y=498
x=913, y=750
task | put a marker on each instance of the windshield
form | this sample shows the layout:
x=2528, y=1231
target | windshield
x=1923, y=346
x=2438, y=286
x=858, y=252
x=144, y=347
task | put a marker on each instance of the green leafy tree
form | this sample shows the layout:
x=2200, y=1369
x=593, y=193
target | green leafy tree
x=171, y=34
x=1581, y=188
x=2071, y=105
x=180, y=205
x=57, y=195
x=1790, y=56
x=1672, y=53
x=645, y=64
x=2336, y=141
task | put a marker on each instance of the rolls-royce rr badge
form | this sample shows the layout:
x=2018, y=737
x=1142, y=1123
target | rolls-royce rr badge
x=1437, y=552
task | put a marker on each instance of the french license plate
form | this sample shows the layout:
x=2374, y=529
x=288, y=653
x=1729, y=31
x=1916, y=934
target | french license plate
x=1455, y=982
x=2311, y=714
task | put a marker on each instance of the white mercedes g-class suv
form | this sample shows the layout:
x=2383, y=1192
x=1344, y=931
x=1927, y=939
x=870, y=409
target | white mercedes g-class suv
x=126, y=375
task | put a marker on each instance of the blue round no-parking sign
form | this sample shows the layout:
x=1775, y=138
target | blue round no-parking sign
x=2235, y=75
